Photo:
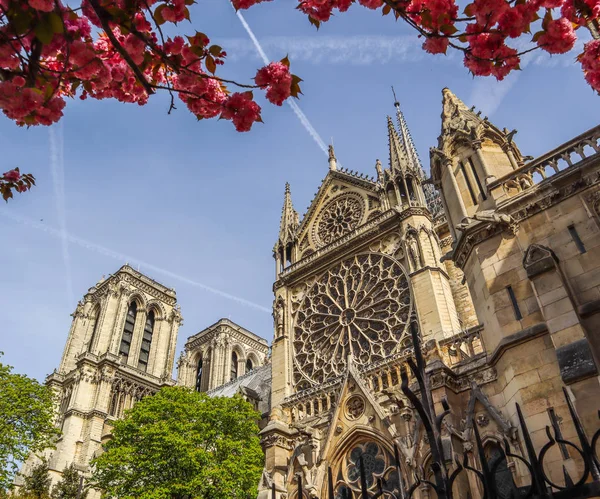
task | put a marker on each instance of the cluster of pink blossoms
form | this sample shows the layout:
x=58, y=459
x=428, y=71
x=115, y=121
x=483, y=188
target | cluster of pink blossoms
x=482, y=33
x=14, y=180
x=49, y=53
x=590, y=63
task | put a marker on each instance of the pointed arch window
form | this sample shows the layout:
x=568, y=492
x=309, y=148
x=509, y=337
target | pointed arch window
x=128, y=331
x=234, y=366
x=249, y=365
x=146, y=341
x=199, y=376
x=94, y=330
x=503, y=479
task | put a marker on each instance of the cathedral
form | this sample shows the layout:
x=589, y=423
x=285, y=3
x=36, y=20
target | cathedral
x=493, y=256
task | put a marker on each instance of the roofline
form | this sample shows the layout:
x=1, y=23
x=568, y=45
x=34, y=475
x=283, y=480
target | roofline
x=232, y=324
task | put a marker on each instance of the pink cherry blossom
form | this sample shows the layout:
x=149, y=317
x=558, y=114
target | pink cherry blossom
x=43, y=5
x=11, y=176
x=436, y=45
x=242, y=110
x=559, y=36
x=276, y=78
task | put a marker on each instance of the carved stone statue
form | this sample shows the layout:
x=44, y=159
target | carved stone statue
x=414, y=252
x=278, y=317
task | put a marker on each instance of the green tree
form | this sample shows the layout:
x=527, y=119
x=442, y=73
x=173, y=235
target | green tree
x=26, y=420
x=68, y=486
x=180, y=444
x=37, y=483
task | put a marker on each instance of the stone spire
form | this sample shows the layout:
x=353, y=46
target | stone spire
x=398, y=161
x=332, y=159
x=289, y=219
x=412, y=158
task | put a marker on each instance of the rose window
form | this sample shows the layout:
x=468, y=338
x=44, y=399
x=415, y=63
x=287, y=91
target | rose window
x=340, y=216
x=359, y=307
x=377, y=464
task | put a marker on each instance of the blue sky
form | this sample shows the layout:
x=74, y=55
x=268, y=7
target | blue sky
x=197, y=204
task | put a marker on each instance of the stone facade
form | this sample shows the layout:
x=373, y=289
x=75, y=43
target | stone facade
x=219, y=354
x=504, y=284
x=120, y=348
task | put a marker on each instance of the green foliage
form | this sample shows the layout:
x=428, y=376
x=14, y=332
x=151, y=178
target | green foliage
x=37, y=483
x=182, y=444
x=68, y=486
x=26, y=420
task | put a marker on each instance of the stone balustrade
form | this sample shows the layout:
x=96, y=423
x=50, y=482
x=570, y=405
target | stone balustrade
x=462, y=347
x=551, y=163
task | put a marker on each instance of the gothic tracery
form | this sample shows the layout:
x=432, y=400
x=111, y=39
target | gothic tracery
x=359, y=307
x=340, y=216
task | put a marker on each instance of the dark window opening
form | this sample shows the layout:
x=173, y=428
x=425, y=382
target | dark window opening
x=503, y=479
x=411, y=190
x=199, y=376
x=468, y=182
x=576, y=239
x=128, y=331
x=288, y=255
x=94, y=330
x=249, y=366
x=234, y=366
x=481, y=189
x=146, y=342
x=513, y=300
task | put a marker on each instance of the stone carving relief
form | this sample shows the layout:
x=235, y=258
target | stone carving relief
x=340, y=216
x=355, y=407
x=279, y=317
x=389, y=245
x=413, y=251
x=359, y=307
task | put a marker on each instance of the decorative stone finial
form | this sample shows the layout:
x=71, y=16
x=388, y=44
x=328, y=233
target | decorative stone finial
x=332, y=160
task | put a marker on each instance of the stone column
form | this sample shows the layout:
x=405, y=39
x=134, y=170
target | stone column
x=461, y=205
x=487, y=175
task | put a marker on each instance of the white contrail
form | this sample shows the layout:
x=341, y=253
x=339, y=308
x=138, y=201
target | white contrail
x=57, y=168
x=297, y=111
x=126, y=258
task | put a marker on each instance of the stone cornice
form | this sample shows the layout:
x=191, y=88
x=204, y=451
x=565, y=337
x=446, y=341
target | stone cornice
x=338, y=247
x=140, y=281
x=236, y=331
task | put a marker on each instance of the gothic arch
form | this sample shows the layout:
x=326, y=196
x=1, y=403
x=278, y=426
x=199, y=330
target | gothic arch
x=139, y=300
x=362, y=440
x=159, y=309
x=96, y=315
x=253, y=357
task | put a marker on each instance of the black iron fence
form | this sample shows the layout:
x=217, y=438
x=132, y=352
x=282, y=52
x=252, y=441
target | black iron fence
x=490, y=471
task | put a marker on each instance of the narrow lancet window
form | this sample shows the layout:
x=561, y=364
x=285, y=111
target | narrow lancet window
x=146, y=342
x=94, y=330
x=249, y=366
x=128, y=331
x=199, y=376
x=576, y=239
x=234, y=366
x=513, y=300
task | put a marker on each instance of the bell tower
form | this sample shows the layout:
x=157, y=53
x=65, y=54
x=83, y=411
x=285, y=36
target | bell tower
x=120, y=348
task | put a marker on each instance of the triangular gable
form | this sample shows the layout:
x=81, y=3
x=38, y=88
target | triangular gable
x=478, y=396
x=348, y=413
x=360, y=189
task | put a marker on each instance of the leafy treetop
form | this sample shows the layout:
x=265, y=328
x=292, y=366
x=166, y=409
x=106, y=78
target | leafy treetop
x=182, y=444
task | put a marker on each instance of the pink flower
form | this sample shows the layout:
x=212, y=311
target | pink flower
x=516, y=20
x=487, y=12
x=436, y=45
x=12, y=176
x=276, y=78
x=21, y=188
x=581, y=11
x=43, y=5
x=559, y=36
x=242, y=110
x=590, y=63
x=245, y=4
